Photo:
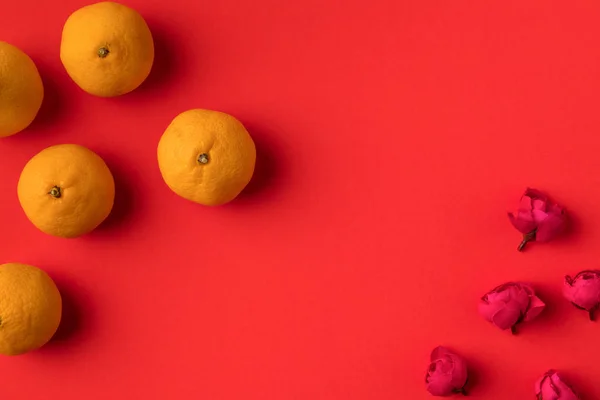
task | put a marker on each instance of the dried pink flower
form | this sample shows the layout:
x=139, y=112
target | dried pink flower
x=537, y=218
x=447, y=373
x=509, y=304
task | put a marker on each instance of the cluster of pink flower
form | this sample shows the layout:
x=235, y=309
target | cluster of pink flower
x=539, y=220
x=448, y=375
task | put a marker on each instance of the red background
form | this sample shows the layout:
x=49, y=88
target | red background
x=393, y=136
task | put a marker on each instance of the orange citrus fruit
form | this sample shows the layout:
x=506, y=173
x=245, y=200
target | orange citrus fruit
x=66, y=190
x=107, y=49
x=21, y=90
x=30, y=308
x=206, y=156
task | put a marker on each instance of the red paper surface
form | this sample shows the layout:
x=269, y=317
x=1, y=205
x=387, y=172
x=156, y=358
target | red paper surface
x=393, y=137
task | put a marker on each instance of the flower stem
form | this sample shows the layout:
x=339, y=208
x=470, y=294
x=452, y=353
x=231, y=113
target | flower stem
x=528, y=237
x=592, y=312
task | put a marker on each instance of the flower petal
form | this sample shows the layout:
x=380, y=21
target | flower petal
x=539, y=205
x=539, y=216
x=536, y=194
x=447, y=372
x=583, y=291
x=525, y=203
x=565, y=392
x=459, y=373
x=438, y=382
x=551, y=227
x=521, y=296
x=525, y=215
x=552, y=387
x=488, y=310
x=522, y=225
x=506, y=317
x=438, y=353
x=536, y=306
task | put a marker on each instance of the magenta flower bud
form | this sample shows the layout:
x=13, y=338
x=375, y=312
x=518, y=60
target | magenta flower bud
x=552, y=387
x=537, y=218
x=447, y=373
x=509, y=304
x=583, y=291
